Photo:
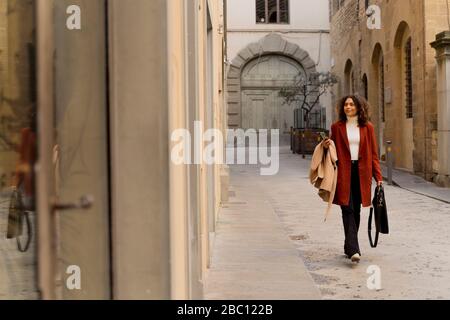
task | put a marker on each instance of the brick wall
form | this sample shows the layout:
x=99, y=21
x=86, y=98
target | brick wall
x=344, y=22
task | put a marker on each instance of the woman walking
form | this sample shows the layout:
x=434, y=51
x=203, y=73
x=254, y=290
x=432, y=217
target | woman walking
x=357, y=153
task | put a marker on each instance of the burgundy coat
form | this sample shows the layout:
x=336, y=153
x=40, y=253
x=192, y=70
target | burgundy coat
x=369, y=164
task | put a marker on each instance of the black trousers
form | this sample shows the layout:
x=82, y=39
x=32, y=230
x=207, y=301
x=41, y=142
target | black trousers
x=351, y=214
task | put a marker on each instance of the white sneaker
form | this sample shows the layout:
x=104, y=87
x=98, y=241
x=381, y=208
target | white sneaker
x=356, y=258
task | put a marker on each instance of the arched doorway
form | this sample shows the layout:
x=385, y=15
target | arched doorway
x=349, y=85
x=378, y=96
x=404, y=98
x=365, y=86
x=261, y=80
x=271, y=53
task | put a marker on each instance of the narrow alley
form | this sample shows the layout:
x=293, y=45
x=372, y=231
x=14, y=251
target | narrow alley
x=287, y=214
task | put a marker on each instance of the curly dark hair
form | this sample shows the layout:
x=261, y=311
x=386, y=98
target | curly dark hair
x=361, y=105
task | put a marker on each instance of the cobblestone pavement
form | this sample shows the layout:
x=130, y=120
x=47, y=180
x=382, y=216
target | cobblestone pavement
x=414, y=259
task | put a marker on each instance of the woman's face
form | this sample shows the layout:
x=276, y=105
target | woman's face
x=350, y=108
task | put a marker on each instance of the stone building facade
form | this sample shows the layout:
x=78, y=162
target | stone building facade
x=394, y=66
x=265, y=55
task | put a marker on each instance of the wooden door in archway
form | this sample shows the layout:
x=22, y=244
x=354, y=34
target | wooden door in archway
x=261, y=81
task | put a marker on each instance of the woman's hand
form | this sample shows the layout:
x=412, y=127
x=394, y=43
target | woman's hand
x=326, y=143
x=380, y=183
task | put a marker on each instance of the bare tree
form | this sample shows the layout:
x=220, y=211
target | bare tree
x=307, y=90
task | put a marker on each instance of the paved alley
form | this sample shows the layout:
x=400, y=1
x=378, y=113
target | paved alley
x=271, y=242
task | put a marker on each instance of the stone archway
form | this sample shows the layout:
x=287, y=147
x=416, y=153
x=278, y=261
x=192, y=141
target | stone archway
x=404, y=138
x=377, y=96
x=272, y=44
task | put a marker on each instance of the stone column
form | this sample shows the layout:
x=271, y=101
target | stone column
x=442, y=47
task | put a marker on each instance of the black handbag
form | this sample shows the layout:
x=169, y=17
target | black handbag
x=16, y=215
x=378, y=209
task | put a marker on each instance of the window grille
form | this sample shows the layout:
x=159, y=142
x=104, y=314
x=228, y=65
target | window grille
x=408, y=82
x=382, y=101
x=272, y=11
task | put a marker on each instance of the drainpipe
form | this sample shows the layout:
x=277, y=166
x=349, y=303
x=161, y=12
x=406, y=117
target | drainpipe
x=225, y=35
x=424, y=63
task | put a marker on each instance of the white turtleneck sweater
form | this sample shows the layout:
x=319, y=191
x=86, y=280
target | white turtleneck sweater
x=353, y=136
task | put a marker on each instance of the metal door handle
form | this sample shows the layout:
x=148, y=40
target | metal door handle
x=84, y=203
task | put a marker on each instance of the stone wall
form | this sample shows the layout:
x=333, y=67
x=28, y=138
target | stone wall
x=353, y=40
